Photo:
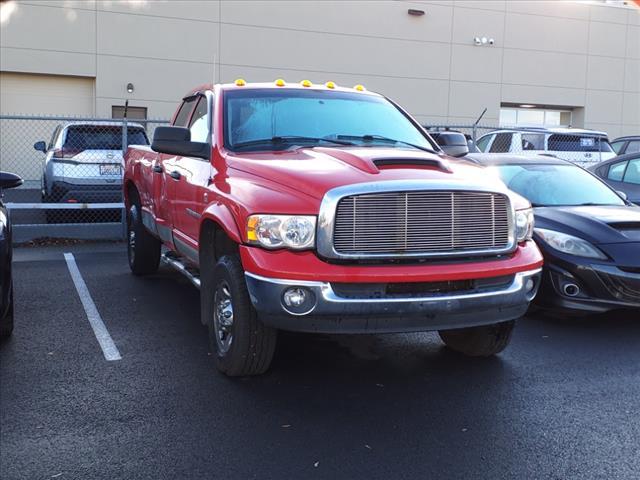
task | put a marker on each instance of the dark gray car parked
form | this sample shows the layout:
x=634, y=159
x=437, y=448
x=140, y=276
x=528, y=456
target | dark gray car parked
x=629, y=144
x=623, y=174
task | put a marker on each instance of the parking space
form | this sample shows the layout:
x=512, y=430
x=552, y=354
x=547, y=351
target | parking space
x=561, y=402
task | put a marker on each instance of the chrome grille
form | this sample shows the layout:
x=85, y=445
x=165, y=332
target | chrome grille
x=421, y=222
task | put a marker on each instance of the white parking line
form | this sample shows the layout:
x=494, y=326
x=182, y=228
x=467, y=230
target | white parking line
x=109, y=348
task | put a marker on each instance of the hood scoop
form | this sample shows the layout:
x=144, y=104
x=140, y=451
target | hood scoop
x=412, y=162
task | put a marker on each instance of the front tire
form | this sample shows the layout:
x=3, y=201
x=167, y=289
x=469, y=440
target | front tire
x=143, y=249
x=6, y=323
x=483, y=341
x=241, y=343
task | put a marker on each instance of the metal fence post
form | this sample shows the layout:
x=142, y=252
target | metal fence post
x=125, y=143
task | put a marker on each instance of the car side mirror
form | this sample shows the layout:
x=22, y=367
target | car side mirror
x=452, y=143
x=177, y=141
x=40, y=146
x=622, y=195
x=9, y=180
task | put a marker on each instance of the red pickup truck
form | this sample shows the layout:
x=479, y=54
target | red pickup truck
x=318, y=208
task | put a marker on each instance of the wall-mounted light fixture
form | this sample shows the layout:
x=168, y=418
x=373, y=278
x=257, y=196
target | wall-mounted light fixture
x=130, y=87
x=483, y=41
x=415, y=12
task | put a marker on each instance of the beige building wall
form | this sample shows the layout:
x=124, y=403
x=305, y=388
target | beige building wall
x=573, y=54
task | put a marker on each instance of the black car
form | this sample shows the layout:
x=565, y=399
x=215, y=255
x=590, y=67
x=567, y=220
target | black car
x=7, y=180
x=630, y=144
x=623, y=174
x=588, y=234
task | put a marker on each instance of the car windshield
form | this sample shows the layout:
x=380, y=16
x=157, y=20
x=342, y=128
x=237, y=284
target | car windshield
x=270, y=119
x=557, y=185
x=578, y=143
x=102, y=137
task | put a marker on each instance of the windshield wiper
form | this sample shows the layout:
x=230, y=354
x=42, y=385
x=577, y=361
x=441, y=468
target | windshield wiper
x=288, y=139
x=380, y=138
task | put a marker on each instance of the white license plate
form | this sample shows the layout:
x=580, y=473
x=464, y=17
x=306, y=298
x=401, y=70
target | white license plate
x=110, y=170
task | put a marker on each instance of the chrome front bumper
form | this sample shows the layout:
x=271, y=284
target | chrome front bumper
x=329, y=312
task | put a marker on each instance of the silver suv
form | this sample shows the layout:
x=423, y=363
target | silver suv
x=83, y=161
x=583, y=147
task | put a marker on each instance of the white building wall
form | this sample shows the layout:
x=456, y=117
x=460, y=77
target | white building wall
x=572, y=54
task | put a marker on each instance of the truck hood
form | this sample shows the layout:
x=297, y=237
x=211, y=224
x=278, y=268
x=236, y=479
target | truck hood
x=314, y=171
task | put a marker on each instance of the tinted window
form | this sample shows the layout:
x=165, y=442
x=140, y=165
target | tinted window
x=617, y=146
x=632, y=174
x=102, y=137
x=553, y=185
x=578, y=143
x=633, y=147
x=257, y=114
x=502, y=143
x=199, y=125
x=185, y=110
x=483, y=142
x=616, y=171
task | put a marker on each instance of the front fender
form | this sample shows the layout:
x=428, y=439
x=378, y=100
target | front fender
x=221, y=215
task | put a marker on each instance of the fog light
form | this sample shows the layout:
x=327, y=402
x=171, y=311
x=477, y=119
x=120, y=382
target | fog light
x=294, y=297
x=529, y=285
x=298, y=300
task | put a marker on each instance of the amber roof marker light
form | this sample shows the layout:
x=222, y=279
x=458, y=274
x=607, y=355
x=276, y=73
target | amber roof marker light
x=240, y=82
x=331, y=85
x=279, y=82
x=359, y=88
x=306, y=83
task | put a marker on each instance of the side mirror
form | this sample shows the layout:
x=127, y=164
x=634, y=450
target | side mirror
x=452, y=143
x=9, y=180
x=177, y=141
x=622, y=195
x=40, y=146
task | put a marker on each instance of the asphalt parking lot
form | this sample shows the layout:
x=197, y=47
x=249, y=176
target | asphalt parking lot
x=562, y=402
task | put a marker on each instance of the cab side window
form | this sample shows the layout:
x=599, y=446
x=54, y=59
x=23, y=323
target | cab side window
x=200, y=121
x=182, y=118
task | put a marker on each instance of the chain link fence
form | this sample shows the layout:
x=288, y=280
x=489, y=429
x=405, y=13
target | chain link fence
x=582, y=147
x=72, y=170
x=72, y=167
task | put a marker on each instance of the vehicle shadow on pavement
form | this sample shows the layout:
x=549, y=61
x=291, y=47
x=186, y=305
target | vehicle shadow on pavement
x=628, y=320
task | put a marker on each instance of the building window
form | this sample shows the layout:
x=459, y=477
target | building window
x=534, y=117
x=133, y=113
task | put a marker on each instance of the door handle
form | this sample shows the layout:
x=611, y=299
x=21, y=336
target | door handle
x=157, y=169
x=175, y=175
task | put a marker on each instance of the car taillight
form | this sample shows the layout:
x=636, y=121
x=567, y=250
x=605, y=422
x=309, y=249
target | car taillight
x=66, y=152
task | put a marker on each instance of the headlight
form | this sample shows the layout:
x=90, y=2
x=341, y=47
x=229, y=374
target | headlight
x=277, y=231
x=524, y=225
x=570, y=244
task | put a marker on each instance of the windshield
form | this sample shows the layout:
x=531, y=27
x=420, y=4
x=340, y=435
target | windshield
x=576, y=143
x=102, y=137
x=555, y=185
x=314, y=116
